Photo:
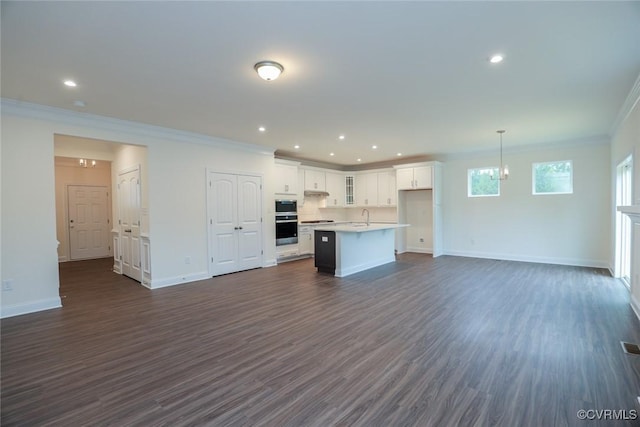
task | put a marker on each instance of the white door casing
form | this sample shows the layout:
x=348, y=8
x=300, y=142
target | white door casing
x=88, y=213
x=235, y=222
x=129, y=222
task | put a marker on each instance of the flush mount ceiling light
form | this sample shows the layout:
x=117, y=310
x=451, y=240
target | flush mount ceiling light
x=341, y=137
x=268, y=70
x=503, y=172
x=262, y=129
x=70, y=83
x=297, y=147
x=495, y=59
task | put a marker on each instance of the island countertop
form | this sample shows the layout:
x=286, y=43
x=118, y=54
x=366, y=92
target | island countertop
x=359, y=227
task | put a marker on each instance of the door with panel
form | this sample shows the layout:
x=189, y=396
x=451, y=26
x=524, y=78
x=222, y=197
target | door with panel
x=234, y=203
x=129, y=222
x=250, y=222
x=88, y=213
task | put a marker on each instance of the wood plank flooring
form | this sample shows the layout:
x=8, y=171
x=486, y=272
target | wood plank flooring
x=423, y=342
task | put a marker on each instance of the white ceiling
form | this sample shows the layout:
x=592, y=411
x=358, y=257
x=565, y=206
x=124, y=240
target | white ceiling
x=410, y=77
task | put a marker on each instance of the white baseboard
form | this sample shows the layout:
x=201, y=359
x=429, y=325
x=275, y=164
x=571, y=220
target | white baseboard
x=635, y=305
x=178, y=280
x=577, y=262
x=270, y=263
x=30, y=307
x=419, y=250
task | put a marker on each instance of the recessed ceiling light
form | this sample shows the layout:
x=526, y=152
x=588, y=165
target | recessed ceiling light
x=399, y=154
x=496, y=59
x=332, y=154
x=70, y=83
x=296, y=147
x=341, y=137
x=359, y=160
x=374, y=147
x=262, y=129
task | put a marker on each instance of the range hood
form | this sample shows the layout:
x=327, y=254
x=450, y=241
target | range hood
x=316, y=193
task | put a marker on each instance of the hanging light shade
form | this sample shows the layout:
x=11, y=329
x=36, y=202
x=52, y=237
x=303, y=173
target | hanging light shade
x=268, y=70
x=503, y=171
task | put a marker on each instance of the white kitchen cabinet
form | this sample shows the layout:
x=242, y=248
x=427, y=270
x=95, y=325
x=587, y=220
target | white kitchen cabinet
x=387, y=193
x=305, y=240
x=286, y=179
x=367, y=189
x=314, y=180
x=425, y=232
x=414, y=178
x=336, y=189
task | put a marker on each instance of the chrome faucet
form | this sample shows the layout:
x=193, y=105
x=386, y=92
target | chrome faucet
x=367, y=211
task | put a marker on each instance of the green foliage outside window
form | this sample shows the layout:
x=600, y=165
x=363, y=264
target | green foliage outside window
x=481, y=184
x=553, y=177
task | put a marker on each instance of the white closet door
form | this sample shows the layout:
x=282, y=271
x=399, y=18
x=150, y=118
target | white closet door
x=235, y=222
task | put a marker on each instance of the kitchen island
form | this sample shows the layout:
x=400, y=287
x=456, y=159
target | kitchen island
x=345, y=249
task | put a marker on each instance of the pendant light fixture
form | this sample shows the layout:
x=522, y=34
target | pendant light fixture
x=503, y=171
x=268, y=70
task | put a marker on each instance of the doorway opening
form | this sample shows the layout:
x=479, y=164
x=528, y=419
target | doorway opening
x=92, y=218
x=624, y=174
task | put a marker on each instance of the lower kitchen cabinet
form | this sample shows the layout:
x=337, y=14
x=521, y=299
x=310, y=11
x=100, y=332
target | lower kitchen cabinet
x=305, y=240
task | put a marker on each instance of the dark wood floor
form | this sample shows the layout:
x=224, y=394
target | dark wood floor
x=424, y=342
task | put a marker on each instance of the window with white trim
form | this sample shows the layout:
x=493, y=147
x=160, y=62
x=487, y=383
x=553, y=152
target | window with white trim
x=480, y=182
x=552, y=177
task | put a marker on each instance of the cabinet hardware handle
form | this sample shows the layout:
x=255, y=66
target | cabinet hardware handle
x=286, y=188
x=127, y=230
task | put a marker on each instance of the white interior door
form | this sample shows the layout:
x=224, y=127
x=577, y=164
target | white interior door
x=250, y=222
x=129, y=222
x=223, y=206
x=88, y=211
x=235, y=222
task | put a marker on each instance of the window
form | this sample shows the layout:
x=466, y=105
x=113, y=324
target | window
x=553, y=177
x=480, y=183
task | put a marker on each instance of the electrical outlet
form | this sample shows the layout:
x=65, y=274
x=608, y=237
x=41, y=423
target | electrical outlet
x=187, y=260
x=421, y=240
x=7, y=285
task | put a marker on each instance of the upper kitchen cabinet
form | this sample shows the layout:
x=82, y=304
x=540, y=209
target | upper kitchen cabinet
x=414, y=178
x=314, y=180
x=367, y=189
x=336, y=185
x=387, y=193
x=286, y=177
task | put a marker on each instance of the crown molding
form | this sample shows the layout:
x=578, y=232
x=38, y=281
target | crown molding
x=74, y=118
x=627, y=107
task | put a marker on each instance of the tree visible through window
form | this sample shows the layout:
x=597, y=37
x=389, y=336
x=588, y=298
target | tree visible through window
x=480, y=182
x=553, y=177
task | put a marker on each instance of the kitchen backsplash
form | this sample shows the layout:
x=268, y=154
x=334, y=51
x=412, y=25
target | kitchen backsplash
x=311, y=210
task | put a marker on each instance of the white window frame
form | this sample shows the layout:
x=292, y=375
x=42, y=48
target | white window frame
x=533, y=178
x=496, y=173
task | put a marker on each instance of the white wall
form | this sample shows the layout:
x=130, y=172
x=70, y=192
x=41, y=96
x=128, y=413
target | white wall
x=560, y=229
x=29, y=247
x=176, y=164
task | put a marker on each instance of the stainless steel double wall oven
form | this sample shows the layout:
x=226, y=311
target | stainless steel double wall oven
x=286, y=222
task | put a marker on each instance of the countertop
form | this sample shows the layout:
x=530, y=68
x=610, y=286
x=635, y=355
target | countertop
x=359, y=227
